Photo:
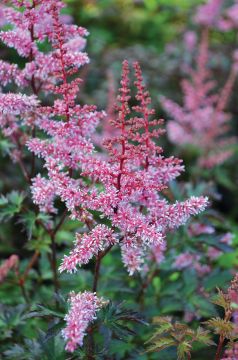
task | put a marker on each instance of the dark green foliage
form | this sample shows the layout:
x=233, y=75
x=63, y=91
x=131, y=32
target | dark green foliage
x=178, y=335
x=10, y=205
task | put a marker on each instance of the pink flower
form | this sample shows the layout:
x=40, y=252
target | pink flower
x=196, y=229
x=233, y=295
x=43, y=194
x=208, y=14
x=201, y=120
x=7, y=265
x=202, y=269
x=17, y=103
x=8, y=73
x=213, y=253
x=83, y=309
x=185, y=260
x=190, y=40
x=227, y=238
x=158, y=251
x=232, y=14
x=20, y=41
x=87, y=246
x=133, y=258
x=231, y=353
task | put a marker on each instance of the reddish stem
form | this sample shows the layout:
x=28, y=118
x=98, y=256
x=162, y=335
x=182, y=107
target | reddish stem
x=219, y=348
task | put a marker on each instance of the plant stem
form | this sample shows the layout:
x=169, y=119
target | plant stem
x=54, y=262
x=33, y=157
x=145, y=285
x=31, y=264
x=96, y=273
x=22, y=279
x=90, y=347
x=101, y=255
x=23, y=290
x=60, y=223
x=219, y=348
x=52, y=234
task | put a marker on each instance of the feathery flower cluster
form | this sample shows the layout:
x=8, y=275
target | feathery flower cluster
x=202, y=120
x=132, y=179
x=44, y=72
x=9, y=264
x=87, y=246
x=43, y=194
x=209, y=14
x=17, y=104
x=83, y=309
x=216, y=14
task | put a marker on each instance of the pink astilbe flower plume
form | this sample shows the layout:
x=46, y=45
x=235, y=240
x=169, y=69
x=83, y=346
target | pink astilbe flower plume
x=201, y=120
x=218, y=14
x=83, y=309
x=32, y=22
x=209, y=14
x=132, y=177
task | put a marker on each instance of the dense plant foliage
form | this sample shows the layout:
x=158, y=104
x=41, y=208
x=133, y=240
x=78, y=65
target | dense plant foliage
x=112, y=248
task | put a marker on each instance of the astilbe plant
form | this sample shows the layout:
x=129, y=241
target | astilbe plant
x=120, y=197
x=202, y=120
x=132, y=180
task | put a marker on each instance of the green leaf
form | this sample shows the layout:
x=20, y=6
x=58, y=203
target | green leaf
x=44, y=311
x=190, y=282
x=41, y=243
x=221, y=326
x=203, y=306
x=117, y=319
x=10, y=205
x=16, y=352
x=183, y=349
x=163, y=329
x=171, y=305
x=5, y=147
x=204, y=336
x=217, y=279
x=220, y=300
x=161, y=343
x=54, y=330
x=30, y=350
x=229, y=260
x=151, y=5
x=28, y=219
